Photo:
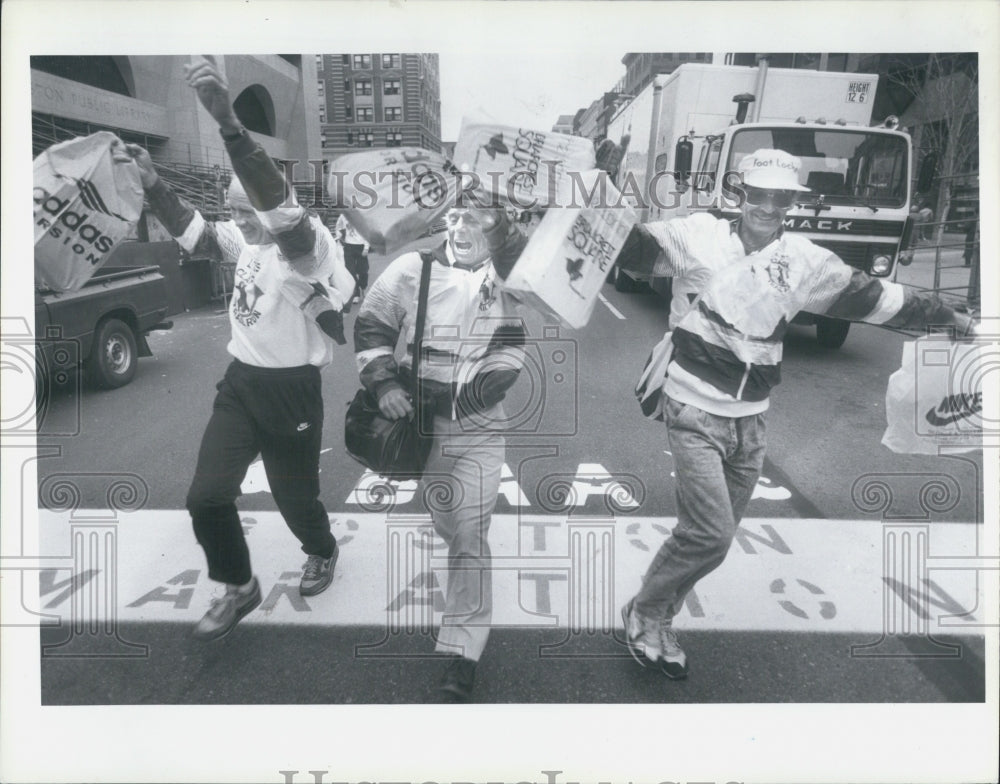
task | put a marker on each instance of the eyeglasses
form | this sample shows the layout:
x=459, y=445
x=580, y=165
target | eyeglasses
x=759, y=196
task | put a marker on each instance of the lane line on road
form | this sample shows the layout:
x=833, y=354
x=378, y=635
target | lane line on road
x=611, y=307
x=797, y=498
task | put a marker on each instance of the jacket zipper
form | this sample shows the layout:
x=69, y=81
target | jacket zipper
x=743, y=382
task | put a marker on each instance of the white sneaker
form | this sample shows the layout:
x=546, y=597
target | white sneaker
x=673, y=660
x=641, y=635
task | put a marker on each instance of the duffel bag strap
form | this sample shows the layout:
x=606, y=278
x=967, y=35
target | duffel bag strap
x=418, y=331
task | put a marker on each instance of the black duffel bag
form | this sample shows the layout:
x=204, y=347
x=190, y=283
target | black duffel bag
x=394, y=448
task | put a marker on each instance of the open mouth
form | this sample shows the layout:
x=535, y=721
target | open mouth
x=462, y=246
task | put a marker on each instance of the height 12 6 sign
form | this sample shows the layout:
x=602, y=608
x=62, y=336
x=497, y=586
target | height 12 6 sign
x=858, y=92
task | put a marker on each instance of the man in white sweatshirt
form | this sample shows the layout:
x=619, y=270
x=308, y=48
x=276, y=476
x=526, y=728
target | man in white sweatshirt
x=289, y=290
x=737, y=285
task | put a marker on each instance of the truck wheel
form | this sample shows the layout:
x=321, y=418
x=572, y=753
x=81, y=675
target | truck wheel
x=831, y=333
x=112, y=360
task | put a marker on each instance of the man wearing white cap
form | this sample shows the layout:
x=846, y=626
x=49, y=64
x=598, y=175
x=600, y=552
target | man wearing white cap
x=736, y=287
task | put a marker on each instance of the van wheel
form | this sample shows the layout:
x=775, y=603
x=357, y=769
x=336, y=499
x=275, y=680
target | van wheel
x=112, y=361
x=831, y=333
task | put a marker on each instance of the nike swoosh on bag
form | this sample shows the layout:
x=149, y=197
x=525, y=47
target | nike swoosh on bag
x=303, y=426
x=938, y=421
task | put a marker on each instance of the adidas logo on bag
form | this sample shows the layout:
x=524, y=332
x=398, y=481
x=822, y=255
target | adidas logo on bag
x=91, y=197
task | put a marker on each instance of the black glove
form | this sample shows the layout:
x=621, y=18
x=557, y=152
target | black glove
x=609, y=155
x=485, y=390
x=505, y=242
x=332, y=323
x=640, y=251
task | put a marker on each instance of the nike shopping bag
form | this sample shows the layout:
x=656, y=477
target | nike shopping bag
x=935, y=399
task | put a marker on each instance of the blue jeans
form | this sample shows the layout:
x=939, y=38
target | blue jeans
x=718, y=460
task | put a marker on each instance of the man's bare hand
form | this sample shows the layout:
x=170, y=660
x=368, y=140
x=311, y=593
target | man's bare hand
x=395, y=404
x=203, y=75
x=139, y=156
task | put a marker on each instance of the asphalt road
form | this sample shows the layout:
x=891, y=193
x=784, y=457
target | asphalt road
x=824, y=426
x=258, y=666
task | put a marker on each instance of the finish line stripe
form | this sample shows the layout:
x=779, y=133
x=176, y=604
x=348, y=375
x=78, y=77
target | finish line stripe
x=548, y=572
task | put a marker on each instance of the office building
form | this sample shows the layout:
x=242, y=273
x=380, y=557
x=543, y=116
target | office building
x=145, y=99
x=378, y=100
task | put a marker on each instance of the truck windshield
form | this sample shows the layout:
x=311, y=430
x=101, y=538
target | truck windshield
x=844, y=165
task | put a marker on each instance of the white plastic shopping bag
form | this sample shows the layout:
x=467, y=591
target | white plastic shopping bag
x=935, y=399
x=570, y=252
x=525, y=168
x=392, y=196
x=85, y=203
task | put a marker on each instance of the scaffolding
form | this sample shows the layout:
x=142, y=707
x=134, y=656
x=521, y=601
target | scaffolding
x=953, y=241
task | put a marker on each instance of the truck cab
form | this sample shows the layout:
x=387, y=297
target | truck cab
x=102, y=326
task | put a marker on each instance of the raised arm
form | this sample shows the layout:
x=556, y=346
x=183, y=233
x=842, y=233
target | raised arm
x=181, y=220
x=847, y=293
x=268, y=192
x=658, y=249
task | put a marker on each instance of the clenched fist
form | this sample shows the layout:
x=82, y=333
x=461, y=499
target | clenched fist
x=205, y=76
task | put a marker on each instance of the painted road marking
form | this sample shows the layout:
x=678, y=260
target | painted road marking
x=549, y=571
x=255, y=480
x=373, y=493
x=617, y=313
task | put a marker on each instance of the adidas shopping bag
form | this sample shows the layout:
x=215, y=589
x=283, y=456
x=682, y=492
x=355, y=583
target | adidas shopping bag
x=85, y=203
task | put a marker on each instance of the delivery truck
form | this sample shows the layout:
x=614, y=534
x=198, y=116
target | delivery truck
x=687, y=132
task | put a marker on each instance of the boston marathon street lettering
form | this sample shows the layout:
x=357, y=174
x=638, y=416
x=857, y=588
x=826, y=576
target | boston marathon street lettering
x=549, y=571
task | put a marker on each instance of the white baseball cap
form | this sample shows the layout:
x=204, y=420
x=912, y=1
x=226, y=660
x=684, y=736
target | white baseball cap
x=773, y=170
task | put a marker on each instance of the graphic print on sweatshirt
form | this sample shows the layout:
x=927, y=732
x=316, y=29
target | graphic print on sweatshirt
x=778, y=272
x=246, y=293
